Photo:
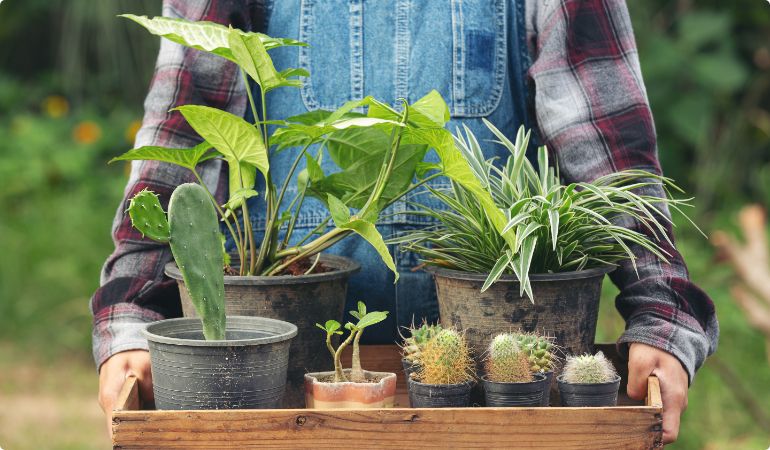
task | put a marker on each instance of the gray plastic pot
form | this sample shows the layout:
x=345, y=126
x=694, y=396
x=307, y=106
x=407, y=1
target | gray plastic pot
x=585, y=394
x=302, y=300
x=515, y=394
x=566, y=305
x=245, y=371
x=422, y=395
x=409, y=367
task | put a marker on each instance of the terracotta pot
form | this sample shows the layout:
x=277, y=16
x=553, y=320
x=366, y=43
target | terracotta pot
x=380, y=392
x=300, y=300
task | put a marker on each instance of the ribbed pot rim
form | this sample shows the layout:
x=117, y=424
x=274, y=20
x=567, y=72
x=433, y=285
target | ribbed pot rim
x=345, y=268
x=510, y=278
x=560, y=379
x=441, y=386
x=234, y=323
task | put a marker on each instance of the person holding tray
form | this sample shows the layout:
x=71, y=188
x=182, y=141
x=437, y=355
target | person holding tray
x=567, y=69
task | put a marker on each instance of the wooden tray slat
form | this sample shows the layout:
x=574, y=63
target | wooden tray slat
x=623, y=427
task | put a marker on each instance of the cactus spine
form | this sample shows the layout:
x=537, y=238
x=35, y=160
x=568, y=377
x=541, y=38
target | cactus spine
x=415, y=343
x=197, y=248
x=506, y=361
x=540, y=351
x=588, y=369
x=446, y=359
x=148, y=216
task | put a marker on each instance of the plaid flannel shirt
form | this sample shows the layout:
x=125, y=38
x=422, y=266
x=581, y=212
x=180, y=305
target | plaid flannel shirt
x=591, y=109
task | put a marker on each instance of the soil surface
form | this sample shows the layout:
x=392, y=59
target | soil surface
x=296, y=268
x=369, y=379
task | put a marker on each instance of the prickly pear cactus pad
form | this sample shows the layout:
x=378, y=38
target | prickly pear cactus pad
x=197, y=249
x=148, y=216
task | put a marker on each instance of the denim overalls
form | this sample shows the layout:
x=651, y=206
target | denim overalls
x=472, y=51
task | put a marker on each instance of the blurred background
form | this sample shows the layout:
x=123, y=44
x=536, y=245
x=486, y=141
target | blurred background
x=72, y=81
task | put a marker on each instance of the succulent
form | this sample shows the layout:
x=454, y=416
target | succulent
x=192, y=230
x=588, y=369
x=413, y=345
x=446, y=359
x=540, y=350
x=506, y=361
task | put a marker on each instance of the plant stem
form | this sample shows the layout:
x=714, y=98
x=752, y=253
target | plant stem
x=356, y=373
x=314, y=247
x=289, y=175
x=339, y=374
x=269, y=238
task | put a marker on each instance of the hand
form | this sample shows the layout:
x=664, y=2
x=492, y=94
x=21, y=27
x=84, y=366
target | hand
x=645, y=360
x=113, y=374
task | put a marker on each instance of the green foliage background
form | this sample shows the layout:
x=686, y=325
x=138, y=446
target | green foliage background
x=707, y=70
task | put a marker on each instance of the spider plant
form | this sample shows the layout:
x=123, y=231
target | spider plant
x=555, y=227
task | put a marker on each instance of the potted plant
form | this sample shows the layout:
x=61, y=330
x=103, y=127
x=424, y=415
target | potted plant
x=413, y=345
x=445, y=376
x=509, y=378
x=377, y=154
x=354, y=387
x=541, y=352
x=520, y=249
x=208, y=363
x=588, y=380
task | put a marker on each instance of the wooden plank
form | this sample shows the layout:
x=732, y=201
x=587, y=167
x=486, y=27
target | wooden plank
x=489, y=428
x=653, y=393
x=128, y=399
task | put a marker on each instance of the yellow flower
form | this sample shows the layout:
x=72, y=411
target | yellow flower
x=56, y=106
x=132, y=129
x=86, y=132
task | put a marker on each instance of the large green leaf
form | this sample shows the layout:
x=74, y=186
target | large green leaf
x=206, y=36
x=237, y=140
x=185, y=157
x=368, y=231
x=250, y=54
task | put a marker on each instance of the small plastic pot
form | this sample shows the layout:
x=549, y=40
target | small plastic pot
x=409, y=367
x=547, y=391
x=515, y=394
x=379, y=391
x=422, y=395
x=588, y=394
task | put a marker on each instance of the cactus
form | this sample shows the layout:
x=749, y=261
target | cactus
x=197, y=248
x=506, y=361
x=446, y=359
x=413, y=345
x=589, y=369
x=540, y=350
x=148, y=216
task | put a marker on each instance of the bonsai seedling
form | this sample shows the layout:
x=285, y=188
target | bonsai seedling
x=588, y=369
x=332, y=328
x=417, y=339
x=506, y=361
x=446, y=359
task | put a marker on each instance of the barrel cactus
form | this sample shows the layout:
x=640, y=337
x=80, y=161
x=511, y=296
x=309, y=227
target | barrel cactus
x=446, y=359
x=588, y=369
x=418, y=338
x=506, y=361
x=540, y=351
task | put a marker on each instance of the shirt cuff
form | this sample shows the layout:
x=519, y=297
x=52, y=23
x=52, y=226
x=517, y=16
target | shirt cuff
x=118, y=328
x=689, y=346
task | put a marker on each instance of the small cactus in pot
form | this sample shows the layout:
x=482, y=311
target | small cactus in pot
x=414, y=344
x=510, y=380
x=446, y=372
x=542, y=354
x=589, y=380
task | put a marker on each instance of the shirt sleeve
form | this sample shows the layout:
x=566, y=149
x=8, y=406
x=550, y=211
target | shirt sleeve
x=133, y=289
x=592, y=111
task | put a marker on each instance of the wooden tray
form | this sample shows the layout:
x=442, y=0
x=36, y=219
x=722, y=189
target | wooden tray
x=629, y=426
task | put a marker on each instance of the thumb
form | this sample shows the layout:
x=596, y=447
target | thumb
x=641, y=364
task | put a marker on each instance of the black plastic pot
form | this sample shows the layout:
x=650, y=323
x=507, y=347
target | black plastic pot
x=585, y=394
x=409, y=367
x=301, y=300
x=245, y=371
x=515, y=394
x=423, y=395
x=566, y=305
x=547, y=392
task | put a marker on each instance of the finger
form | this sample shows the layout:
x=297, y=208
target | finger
x=109, y=389
x=640, y=367
x=673, y=402
x=144, y=377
